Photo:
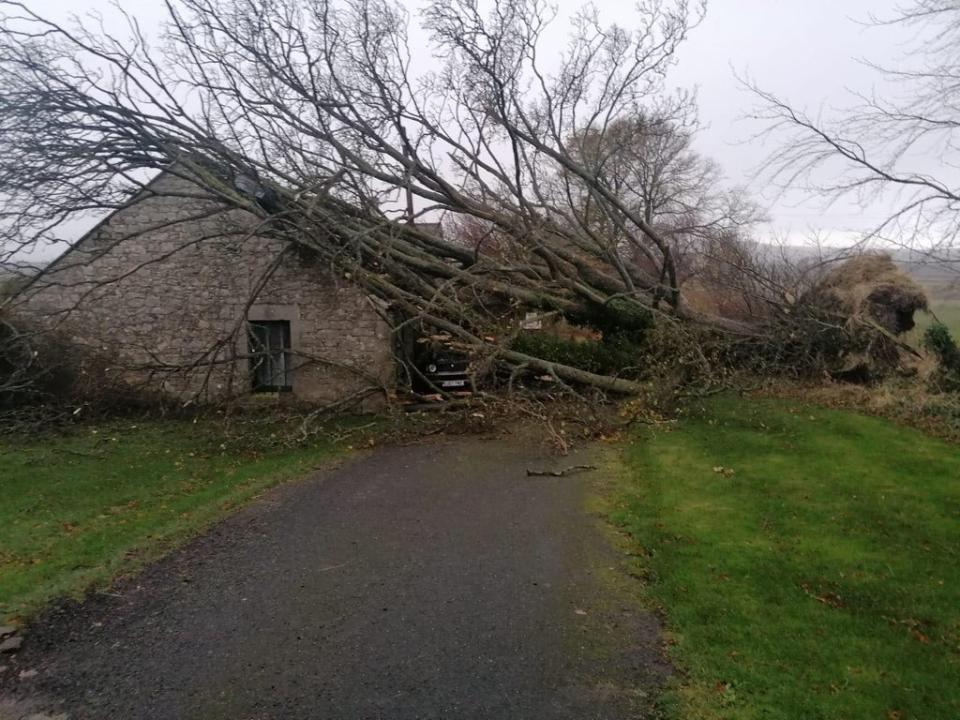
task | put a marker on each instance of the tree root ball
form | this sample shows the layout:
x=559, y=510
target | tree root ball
x=870, y=287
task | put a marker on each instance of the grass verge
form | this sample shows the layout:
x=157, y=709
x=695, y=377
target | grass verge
x=806, y=561
x=79, y=509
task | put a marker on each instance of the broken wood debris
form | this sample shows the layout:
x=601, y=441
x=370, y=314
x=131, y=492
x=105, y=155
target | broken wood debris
x=560, y=473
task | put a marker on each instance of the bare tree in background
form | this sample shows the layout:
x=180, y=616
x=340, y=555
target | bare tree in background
x=650, y=163
x=307, y=114
x=873, y=154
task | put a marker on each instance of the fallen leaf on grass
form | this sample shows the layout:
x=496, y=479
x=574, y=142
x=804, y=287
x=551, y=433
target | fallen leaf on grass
x=915, y=627
x=726, y=692
x=830, y=599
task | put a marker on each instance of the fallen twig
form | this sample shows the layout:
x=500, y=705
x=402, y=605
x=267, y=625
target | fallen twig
x=560, y=473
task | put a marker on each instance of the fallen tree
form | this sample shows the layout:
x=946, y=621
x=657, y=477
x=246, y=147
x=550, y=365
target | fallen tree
x=307, y=116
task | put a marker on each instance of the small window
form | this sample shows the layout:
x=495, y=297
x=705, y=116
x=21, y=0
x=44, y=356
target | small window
x=270, y=364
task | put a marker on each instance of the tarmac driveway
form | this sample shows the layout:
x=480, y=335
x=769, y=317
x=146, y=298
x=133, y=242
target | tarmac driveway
x=425, y=581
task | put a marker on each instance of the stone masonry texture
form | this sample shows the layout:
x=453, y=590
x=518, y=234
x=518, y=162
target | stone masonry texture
x=165, y=287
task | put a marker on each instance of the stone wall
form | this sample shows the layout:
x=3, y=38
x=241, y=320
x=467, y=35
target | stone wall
x=166, y=286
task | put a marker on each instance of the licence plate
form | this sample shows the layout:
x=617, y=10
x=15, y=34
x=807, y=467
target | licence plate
x=453, y=383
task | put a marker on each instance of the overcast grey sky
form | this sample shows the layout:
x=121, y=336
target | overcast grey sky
x=807, y=51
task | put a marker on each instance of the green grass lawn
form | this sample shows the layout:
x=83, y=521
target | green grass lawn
x=76, y=510
x=807, y=562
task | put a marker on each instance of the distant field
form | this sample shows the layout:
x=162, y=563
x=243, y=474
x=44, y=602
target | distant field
x=942, y=285
x=947, y=311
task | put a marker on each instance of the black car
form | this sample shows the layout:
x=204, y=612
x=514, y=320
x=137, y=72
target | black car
x=434, y=361
x=447, y=370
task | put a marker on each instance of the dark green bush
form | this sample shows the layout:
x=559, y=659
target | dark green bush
x=615, y=355
x=619, y=321
x=938, y=340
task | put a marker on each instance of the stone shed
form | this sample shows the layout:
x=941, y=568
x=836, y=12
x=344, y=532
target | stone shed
x=183, y=296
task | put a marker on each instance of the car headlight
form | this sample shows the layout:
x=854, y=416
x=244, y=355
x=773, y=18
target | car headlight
x=431, y=368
